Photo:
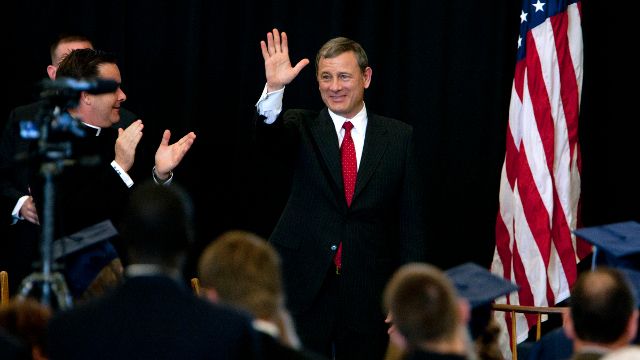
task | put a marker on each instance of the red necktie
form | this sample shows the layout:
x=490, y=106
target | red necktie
x=349, y=172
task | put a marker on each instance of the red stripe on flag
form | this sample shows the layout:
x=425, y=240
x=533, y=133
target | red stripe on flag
x=540, y=101
x=534, y=210
x=562, y=240
x=502, y=246
x=511, y=160
x=524, y=294
x=518, y=79
x=568, y=83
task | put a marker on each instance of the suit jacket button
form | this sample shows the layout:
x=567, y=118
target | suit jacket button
x=334, y=247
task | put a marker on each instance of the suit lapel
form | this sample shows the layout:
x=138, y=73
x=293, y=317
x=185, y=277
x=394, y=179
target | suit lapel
x=324, y=133
x=375, y=144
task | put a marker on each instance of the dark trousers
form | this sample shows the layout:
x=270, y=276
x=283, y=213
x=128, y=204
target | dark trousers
x=322, y=328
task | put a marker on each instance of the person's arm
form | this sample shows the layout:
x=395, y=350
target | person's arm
x=17, y=204
x=278, y=72
x=412, y=218
x=169, y=156
x=270, y=104
x=25, y=209
x=125, y=148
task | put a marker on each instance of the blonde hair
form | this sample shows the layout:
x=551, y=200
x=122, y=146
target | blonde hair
x=245, y=272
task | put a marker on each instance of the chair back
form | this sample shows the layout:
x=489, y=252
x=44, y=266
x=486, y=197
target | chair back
x=4, y=288
x=539, y=311
x=195, y=285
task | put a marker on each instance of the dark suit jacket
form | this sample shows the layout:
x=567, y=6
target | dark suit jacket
x=427, y=355
x=11, y=348
x=272, y=349
x=554, y=345
x=152, y=317
x=85, y=194
x=382, y=229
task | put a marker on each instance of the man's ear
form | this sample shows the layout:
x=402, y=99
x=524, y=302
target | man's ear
x=211, y=294
x=367, y=74
x=632, y=325
x=567, y=324
x=85, y=98
x=464, y=309
x=51, y=70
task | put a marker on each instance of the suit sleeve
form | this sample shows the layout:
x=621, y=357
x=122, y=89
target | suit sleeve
x=10, y=191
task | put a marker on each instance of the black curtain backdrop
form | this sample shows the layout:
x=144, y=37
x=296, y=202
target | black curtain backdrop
x=445, y=67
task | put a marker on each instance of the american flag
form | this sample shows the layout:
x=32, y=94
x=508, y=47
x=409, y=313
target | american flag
x=540, y=183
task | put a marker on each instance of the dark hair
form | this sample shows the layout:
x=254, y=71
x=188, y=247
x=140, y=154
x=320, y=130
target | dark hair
x=340, y=45
x=601, y=304
x=84, y=63
x=63, y=39
x=158, y=224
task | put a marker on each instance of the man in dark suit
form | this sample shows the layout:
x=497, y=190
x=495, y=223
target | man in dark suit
x=15, y=203
x=17, y=206
x=96, y=187
x=348, y=224
x=153, y=315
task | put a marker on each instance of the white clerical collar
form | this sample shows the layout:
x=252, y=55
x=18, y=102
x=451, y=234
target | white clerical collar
x=96, y=128
x=359, y=121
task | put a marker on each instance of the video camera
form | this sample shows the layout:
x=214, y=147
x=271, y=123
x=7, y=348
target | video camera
x=57, y=96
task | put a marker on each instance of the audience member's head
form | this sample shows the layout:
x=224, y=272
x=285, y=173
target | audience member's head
x=425, y=309
x=63, y=45
x=602, y=310
x=26, y=320
x=158, y=225
x=241, y=269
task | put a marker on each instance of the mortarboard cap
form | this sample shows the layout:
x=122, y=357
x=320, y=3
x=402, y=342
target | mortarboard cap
x=479, y=285
x=85, y=254
x=82, y=239
x=616, y=244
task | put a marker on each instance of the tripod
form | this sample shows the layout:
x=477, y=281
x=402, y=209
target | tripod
x=47, y=286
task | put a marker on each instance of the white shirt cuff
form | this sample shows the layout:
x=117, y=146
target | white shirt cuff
x=123, y=174
x=16, y=210
x=270, y=104
x=160, y=181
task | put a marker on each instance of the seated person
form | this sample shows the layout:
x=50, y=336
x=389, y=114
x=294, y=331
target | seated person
x=243, y=270
x=427, y=314
x=26, y=320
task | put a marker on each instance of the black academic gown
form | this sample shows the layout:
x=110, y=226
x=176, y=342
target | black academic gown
x=86, y=191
